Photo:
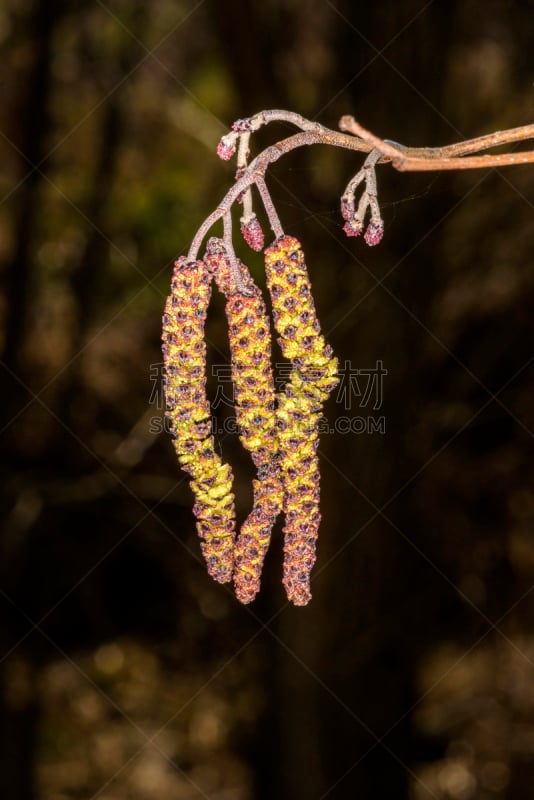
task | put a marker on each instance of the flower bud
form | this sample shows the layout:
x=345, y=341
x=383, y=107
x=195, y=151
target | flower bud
x=252, y=233
x=374, y=233
x=227, y=146
x=352, y=227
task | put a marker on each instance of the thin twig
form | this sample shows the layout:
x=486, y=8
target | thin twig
x=243, y=153
x=274, y=221
x=424, y=159
x=235, y=268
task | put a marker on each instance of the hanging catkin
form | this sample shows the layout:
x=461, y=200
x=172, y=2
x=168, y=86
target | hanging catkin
x=254, y=395
x=188, y=409
x=313, y=376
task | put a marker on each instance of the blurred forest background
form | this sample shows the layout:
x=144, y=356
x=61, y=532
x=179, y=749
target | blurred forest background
x=125, y=671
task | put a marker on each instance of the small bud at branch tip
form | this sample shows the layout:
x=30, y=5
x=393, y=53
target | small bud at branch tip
x=374, y=233
x=227, y=146
x=352, y=228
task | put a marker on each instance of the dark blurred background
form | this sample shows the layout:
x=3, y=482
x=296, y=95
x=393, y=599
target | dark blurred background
x=125, y=671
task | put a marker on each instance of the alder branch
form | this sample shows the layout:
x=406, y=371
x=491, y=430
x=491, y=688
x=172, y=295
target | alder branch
x=415, y=159
x=352, y=136
x=279, y=428
x=257, y=168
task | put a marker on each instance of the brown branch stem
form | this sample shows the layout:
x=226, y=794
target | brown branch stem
x=425, y=159
x=259, y=165
x=354, y=137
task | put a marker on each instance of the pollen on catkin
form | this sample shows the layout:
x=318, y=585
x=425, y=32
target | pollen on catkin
x=254, y=394
x=188, y=409
x=313, y=376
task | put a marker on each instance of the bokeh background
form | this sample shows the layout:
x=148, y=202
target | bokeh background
x=125, y=671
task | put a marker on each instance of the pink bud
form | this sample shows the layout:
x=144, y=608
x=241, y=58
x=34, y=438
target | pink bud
x=352, y=228
x=252, y=233
x=226, y=149
x=374, y=233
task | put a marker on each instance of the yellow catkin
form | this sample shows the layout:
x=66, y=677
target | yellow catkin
x=254, y=394
x=313, y=376
x=188, y=409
